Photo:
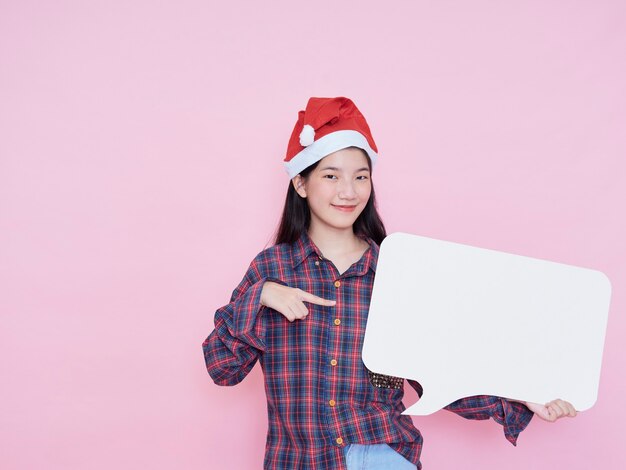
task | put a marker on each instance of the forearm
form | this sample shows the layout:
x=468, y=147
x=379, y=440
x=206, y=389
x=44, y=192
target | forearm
x=227, y=359
x=512, y=415
x=238, y=340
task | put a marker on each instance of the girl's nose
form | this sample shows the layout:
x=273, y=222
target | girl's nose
x=346, y=190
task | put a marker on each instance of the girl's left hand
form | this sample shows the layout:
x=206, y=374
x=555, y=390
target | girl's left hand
x=553, y=410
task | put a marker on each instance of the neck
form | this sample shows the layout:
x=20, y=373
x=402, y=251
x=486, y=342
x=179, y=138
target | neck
x=334, y=241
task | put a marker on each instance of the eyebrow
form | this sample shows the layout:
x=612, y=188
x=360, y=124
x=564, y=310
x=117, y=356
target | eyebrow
x=334, y=168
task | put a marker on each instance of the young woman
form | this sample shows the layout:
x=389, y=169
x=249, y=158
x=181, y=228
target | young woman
x=301, y=311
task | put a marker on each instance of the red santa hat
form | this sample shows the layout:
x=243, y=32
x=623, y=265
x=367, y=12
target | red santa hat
x=325, y=126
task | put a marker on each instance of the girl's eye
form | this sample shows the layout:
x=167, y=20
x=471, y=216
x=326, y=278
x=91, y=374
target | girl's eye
x=362, y=177
x=330, y=176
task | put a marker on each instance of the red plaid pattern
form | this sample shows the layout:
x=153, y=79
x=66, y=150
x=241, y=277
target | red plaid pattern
x=319, y=394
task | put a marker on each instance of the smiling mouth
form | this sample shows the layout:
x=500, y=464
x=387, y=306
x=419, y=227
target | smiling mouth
x=344, y=208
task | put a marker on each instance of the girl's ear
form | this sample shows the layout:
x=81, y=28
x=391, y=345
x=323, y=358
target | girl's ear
x=298, y=184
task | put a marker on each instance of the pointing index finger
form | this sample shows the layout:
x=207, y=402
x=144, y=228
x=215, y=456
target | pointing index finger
x=314, y=299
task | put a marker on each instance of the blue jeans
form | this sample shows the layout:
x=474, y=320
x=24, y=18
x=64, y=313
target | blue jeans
x=375, y=457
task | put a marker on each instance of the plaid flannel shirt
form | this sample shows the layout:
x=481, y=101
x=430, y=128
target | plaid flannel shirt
x=320, y=395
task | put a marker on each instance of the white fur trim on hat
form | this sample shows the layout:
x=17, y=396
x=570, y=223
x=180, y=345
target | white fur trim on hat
x=307, y=135
x=326, y=145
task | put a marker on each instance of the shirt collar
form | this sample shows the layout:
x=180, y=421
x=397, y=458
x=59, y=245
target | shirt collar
x=304, y=247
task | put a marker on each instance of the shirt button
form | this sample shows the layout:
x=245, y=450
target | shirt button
x=339, y=441
x=317, y=263
x=333, y=362
x=337, y=283
x=332, y=403
x=337, y=321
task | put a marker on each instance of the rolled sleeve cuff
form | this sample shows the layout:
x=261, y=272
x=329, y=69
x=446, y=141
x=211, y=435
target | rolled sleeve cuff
x=247, y=323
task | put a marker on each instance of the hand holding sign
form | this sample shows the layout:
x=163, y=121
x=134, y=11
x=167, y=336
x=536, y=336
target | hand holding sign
x=467, y=321
x=552, y=411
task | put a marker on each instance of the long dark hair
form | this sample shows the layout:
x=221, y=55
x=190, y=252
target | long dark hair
x=296, y=216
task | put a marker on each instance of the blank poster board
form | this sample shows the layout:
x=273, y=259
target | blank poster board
x=466, y=321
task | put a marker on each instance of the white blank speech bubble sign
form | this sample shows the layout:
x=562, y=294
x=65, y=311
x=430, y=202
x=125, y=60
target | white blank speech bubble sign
x=466, y=321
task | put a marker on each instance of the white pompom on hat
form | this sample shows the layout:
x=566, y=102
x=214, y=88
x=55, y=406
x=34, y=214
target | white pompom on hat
x=307, y=136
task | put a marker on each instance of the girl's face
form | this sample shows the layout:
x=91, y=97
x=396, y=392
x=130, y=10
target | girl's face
x=337, y=190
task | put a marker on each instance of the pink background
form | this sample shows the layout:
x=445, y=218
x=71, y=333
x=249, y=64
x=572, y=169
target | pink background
x=140, y=171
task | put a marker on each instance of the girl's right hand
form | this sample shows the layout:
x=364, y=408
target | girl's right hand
x=289, y=301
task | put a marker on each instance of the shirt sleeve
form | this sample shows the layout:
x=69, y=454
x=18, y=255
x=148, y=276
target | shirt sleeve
x=417, y=386
x=513, y=416
x=234, y=346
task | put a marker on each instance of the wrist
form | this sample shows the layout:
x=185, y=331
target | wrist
x=263, y=298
